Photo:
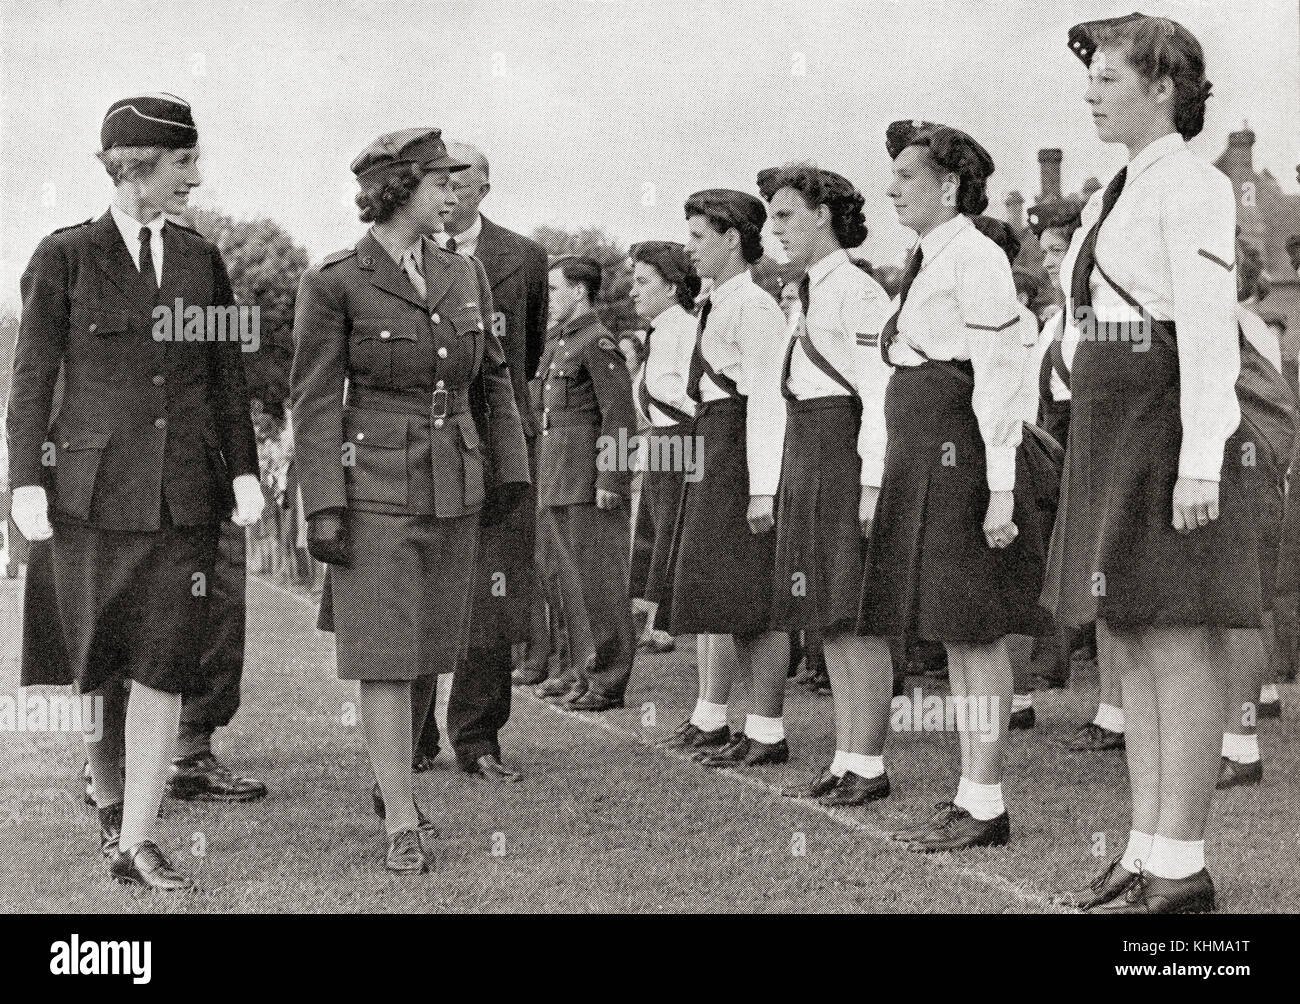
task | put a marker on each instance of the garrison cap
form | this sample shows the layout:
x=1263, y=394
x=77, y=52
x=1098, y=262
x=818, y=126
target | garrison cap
x=149, y=120
x=1083, y=37
x=739, y=209
x=422, y=146
x=1064, y=213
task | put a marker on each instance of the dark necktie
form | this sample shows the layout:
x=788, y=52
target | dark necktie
x=697, y=356
x=643, y=392
x=910, y=273
x=146, y=263
x=450, y=245
x=1081, y=278
x=804, y=296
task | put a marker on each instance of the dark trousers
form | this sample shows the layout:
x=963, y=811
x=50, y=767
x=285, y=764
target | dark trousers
x=478, y=707
x=596, y=541
x=221, y=668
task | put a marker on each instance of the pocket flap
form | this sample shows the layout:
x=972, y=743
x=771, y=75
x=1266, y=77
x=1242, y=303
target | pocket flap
x=467, y=322
x=85, y=440
x=106, y=323
x=381, y=331
x=377, y=429
x=468, y=431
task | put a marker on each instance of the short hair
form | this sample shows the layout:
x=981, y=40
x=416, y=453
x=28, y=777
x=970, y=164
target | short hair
x=389, y=191
x=130, y=163
x=951, y=150
x=1066, y=229
x=674, y=267
x=999, y=233
x=825, y=188
x=751, y=237
x=1027, y=283
x=580, y=269
x=1160, y=47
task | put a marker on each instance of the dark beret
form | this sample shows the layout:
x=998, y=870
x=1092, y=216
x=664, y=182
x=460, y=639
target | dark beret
x=149, y=120
x=1065, y=213
x=406, y=146
x=950, y=148
x=738, y=209
x=1083, y=37
x=901, y=134
x=669, y=259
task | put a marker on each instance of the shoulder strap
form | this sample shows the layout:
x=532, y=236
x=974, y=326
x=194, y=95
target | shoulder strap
x=728, y=385
x=1057, y=356
x=822, y=363
x=1161, y=328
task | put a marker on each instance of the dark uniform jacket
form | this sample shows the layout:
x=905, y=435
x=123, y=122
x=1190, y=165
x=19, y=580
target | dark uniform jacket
x=584, y=393
x=516, y=271
x=139, y=418
x=405, y=440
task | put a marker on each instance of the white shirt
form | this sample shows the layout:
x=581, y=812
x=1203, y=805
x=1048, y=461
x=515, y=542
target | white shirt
x=669, y=365
x=1033, y=347
x=130, y=230
x=1170, y=243
x=745, y=340
x=466, y=243
x=962, y=305
x=846, y=311
x=1069, y=336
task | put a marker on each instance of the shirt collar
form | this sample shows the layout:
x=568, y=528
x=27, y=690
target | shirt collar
x=417, y=247
x=578, y=323
x=731, y=286
x=130, y=225
x=668, y=316
x=472, y=231
x=823, y=268
x=1152, y=152
x=939, y=238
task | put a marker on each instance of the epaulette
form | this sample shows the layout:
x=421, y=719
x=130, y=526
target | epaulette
x=330, y=259
x=73, y=226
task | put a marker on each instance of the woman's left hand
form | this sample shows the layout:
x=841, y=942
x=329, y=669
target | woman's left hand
x=249, y=500
x=999, y=530
x=1196, y=503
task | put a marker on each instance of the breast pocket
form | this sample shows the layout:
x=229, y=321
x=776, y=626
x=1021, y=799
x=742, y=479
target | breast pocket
x=374, y=457
x=76, y=464
x=378, y=350
x=471, y=460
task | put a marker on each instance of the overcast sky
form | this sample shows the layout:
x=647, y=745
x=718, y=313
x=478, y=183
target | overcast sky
x=605, y=112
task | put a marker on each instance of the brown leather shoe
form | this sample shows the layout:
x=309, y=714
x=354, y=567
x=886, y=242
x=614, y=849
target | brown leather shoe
x=943, y=811
x=1268, y=709
x=1149, y=894
x=824, y=785
x=575, y=691
x=962, y=830
x=144, y=864
x=1110, y=884
x=204, y=778
x=856, y=790
x=692, y=737
x=1092, y=738
x=405, y=855
x=528, y=677
x=1234, y=775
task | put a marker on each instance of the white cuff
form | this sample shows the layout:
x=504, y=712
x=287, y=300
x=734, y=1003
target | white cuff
x=1001, y=464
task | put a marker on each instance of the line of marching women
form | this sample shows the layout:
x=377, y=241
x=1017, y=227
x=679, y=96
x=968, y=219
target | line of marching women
x=866, y=474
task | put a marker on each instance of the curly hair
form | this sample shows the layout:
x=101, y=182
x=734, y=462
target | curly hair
x=388, y=192
x=1159, y=47
x=669, y=259
x=953, y=151
x=130, y=163
x=825, y=188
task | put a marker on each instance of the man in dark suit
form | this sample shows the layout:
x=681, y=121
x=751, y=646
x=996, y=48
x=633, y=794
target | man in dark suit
x=479, y=703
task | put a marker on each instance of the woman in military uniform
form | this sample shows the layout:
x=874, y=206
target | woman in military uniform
x=123, y=485
x=394, y=476
x=1155, y=531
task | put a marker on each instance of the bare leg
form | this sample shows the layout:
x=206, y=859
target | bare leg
x=957, y=687
x=386, y=722
x=105, y=755
x=1141, y=722
x=865, y=667
x=153, y=718
x=721, y=670
x=1246, y=660
x=766, y=657
x=987, y=681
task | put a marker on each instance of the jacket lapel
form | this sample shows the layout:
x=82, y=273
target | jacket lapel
x=437, y=274
x=497, y=259
x=114, y=262
x=179, y=261
x=385, y=273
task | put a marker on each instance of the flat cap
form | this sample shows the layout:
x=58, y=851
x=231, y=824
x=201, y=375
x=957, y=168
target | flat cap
x=422, y=146
x=1083, y=37
x=149, y=120
x=739, y=209
x=1063, y=213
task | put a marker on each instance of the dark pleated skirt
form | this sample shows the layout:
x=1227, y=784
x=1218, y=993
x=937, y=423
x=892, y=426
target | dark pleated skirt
x=819, y=546
x=401, y=609
x=104, y=605
x=1115, y=554
x=652, y=539
x=930, y=572
x=722, y=573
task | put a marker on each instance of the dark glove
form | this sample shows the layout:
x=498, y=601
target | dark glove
x=502, y=501
x=327, y=538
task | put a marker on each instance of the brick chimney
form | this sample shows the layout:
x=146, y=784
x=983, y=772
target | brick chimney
x=1049, y=166
x=1089, y=186
x=1015, y=203
x=1240, y=154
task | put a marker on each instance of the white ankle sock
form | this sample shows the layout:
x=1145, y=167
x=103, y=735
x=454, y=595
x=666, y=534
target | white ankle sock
x=1268, y=693
x=863, y=765
x=709, y=717
x=1176, y=859
x=1137, y=855
x=984, y=801
x=1110, y=717
x=764, y=730
x=1021, y=701
x=961, y=800
x=838, y=766
x=1241, y=749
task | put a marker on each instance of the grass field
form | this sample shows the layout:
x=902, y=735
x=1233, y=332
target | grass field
x=603, y=821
